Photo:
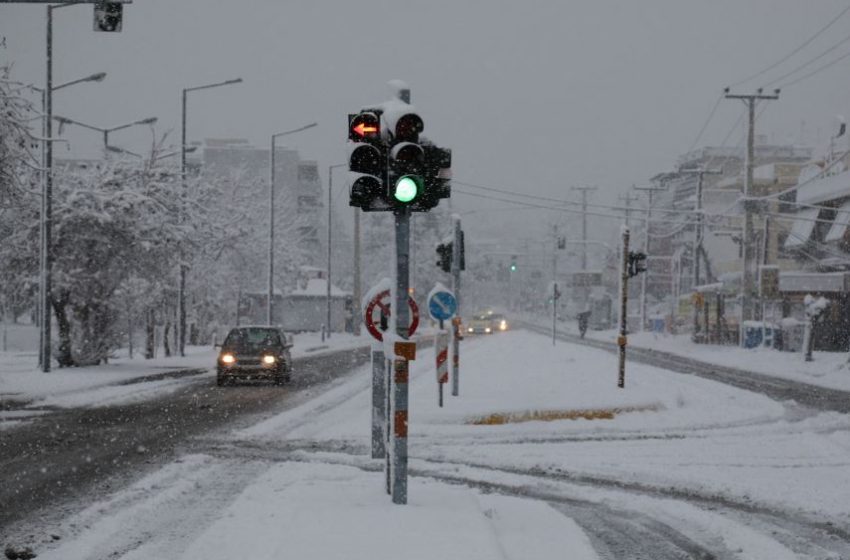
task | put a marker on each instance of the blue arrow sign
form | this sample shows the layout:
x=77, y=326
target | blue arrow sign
x=442, y=305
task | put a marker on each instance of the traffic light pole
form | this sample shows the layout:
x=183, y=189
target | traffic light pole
x=624, y=302
x=456, y=248
x=401, y=366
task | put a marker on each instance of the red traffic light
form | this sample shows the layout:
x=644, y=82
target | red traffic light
x=364, y=126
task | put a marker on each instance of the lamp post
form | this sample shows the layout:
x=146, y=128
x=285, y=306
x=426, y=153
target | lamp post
x=157, y=157
x=330, y=192
x=43, y=300
x=105, y=131
x=181, y=293
x=270, y=303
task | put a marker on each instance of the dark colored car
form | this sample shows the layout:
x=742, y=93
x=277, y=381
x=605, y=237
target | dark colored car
x=255, y=353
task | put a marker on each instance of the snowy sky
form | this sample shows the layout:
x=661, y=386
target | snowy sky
x=532, y=96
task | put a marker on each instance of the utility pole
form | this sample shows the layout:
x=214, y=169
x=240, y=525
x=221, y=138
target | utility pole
x=584, y=191
x=555, y=294
x=699, y=234
x=643, y=279
x=624, y=304
x=628, y=197
x=748, y=309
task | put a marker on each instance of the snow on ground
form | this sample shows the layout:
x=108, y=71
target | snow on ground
x=301, y=485
x=829, y=369
x=692, y=434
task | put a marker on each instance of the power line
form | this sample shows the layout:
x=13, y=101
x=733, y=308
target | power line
x=810, y=61
x=556, y=208
x=805, y=43
x=815, y=71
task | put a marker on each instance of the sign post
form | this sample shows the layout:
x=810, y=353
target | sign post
x=442, y=305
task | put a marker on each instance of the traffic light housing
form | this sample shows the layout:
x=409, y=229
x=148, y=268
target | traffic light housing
x=108, y=16
x=437, y=170
x=637, y=263
x=390, y=167
x=513, y=264
x=367, y=163
x=444, y=256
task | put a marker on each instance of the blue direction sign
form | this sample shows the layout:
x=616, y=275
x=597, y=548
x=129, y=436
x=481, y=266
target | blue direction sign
x=442, y=305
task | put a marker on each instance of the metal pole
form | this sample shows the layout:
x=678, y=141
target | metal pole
x=554, y=282
x=379, y=401
x=41, y=251
x=330, y=194
x=357, y=288
x=47, y=202
x=399, y=405
x=643, y=277
x=624, y=300
x=456, y=246
x=181, y=292
x=270, y=303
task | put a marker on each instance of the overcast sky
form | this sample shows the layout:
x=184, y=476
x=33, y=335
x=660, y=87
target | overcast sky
x=532, y=96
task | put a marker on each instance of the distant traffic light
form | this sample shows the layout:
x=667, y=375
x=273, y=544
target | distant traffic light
x=513, y=264
x=637, y=263
x=108, y=16
x=444, y=256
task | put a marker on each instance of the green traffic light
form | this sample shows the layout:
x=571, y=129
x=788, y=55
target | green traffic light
x=513, y=268
x=406, y=189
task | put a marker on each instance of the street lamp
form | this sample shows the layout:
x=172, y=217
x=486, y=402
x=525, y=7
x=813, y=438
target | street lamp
x=157, y=157
x=270, y=303
x=181, y=293
x=46, y=229
x=104, y=131
x=330, y=191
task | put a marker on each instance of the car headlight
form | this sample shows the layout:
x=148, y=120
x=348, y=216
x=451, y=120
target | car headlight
x=487, y=329
x=503, y=326
x=470, y=329
x=269, y=359
x=228, y=359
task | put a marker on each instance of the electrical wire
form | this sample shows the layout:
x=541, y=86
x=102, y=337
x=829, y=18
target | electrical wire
x=805, y=43
x=556, y=208
x=810, y=61
x=815, y=71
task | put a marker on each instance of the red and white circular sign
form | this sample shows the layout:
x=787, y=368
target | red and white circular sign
x=381, y=302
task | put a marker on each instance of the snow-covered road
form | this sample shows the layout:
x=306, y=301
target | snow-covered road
x=698, y=470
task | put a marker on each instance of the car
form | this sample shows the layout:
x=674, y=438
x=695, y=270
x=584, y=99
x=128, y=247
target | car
x=254, y=352
x=498, y=322
x=480, y=324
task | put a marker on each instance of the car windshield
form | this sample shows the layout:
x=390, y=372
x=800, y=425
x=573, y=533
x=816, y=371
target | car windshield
x=482, y=318
x=253, y=337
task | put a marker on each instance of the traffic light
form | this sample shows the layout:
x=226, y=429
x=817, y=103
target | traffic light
x=444, y=256
x=367, y=163
x=513, y=263
x=405, y=171
x=637, y=263
x=437, y=170
x=108, y=16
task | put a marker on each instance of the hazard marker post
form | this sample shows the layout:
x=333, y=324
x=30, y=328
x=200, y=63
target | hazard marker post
x=441, y=346
x=442, y=305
